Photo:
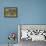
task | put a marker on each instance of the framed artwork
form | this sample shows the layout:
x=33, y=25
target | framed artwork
x=32, y=32
x=10, y=12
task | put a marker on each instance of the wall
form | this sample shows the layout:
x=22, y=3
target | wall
x=34, y=12
x=29, y=12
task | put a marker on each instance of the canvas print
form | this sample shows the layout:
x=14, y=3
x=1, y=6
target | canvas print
x=10, y=11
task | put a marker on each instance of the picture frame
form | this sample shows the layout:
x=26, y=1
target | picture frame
x=32, y=32
x=10, y=12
